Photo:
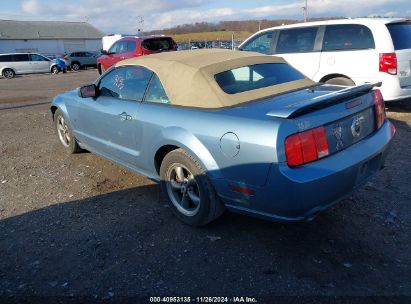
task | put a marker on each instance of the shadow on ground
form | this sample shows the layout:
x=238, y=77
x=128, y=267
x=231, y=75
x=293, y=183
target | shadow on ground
x=128, y=243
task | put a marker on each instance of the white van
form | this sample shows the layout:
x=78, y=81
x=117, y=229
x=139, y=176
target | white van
x=25, y=63
x=344, y=52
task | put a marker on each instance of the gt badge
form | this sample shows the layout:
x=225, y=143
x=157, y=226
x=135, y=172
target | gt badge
x=337, y=132
x=356, y=126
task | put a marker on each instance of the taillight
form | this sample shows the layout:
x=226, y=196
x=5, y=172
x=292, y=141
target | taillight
x=388, y=63
x=379, y=108
x=307, y=146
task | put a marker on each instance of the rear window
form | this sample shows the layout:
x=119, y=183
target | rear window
x=347, y=37
x=256, y=76
x=158, y=44
x=401, y=35
x=5, y=58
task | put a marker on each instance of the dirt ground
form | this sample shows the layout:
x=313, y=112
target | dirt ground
x=80, y=226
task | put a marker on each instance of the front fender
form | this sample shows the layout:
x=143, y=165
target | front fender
x=184, y=139
x=59, y=103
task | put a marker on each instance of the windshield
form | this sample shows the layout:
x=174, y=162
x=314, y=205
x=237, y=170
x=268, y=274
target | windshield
x=401, y=35
x=256, y=76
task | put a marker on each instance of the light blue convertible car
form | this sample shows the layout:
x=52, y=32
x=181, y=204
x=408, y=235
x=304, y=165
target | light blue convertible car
x=221, y=129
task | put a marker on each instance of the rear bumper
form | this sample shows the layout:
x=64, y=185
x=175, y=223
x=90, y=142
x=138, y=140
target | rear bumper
x=391, y=89
x=301, y=193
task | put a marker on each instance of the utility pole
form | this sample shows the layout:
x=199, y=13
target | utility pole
x=140, y=24
x=259, y=25
x=305, y=11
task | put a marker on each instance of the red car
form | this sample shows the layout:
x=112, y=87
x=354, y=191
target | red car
x=129, y=47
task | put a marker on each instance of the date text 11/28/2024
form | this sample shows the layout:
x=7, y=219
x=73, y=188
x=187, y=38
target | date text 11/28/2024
x=203, y=300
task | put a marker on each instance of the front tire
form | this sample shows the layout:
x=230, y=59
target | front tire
x=101, y=69
x=65, y=134
x=54, y=70
x=188, y=190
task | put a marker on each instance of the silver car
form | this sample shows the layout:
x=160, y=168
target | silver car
x=25, y=63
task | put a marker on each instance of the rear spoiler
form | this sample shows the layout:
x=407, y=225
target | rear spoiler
x=300, y=108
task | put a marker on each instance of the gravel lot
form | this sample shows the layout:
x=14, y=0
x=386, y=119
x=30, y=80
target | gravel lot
x=80, y=226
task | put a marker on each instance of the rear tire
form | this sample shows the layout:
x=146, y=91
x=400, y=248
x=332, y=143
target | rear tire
x=75, y=66
x=64, y=133
x=341, y=81
x=9, y=73
x=188, y=190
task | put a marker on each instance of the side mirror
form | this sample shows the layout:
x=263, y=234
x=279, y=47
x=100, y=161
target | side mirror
x=104, y=52
x=89, y=90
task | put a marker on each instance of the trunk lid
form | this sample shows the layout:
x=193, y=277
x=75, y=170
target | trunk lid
x=346, y=114
x=322, y=97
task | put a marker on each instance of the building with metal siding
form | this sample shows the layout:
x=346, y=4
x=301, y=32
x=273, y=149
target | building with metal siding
x=48, y=37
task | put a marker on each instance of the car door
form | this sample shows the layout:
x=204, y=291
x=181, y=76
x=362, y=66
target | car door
x=349, y=50
x=301, y=48
x=22, y=64
x=121, y=52
x=87, y=59
x=109, y=124
x=39, y=63
x=110, y=59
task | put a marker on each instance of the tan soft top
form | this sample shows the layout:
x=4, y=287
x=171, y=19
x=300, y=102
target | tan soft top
x=188, y=76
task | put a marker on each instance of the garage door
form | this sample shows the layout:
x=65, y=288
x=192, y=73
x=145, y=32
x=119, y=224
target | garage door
x=74, y=46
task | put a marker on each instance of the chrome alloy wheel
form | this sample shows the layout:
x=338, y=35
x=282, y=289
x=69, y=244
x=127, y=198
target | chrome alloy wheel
x=183, y=190
x=63, y=131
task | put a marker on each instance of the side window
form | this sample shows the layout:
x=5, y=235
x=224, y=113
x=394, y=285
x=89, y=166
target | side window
x=114, y=47
x=155, y=91
x=5, y=58
x=122, y=47
x=36, y=57
x=347, y=37
x=131, y=45
x=21, y=57
x=127, y=83
x=261, y=44
x=296, y=40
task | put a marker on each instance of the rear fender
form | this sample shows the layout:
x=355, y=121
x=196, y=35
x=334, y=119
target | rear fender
x=182, y=138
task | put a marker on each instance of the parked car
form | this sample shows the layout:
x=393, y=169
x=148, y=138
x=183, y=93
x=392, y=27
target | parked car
x=236, y=130
x=12, y=64
x=80, y=60
x=129, y=47
x=345, y=52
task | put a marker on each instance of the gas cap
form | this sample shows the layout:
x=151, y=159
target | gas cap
x=230, y=144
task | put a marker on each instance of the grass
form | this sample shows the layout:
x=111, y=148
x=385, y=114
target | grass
x=211, y=36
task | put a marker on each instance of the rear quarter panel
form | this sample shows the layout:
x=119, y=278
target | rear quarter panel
x=200, y=131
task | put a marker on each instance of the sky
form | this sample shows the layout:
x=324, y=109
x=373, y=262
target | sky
x=126, y=16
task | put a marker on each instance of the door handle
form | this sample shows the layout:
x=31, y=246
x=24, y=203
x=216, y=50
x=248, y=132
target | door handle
x=124, y=116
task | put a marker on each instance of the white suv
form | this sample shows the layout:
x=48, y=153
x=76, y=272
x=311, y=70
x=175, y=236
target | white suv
x=344, y=52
